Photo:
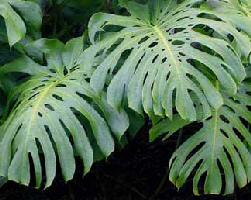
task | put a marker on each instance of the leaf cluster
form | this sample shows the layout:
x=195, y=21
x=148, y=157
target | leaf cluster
x=77, y=87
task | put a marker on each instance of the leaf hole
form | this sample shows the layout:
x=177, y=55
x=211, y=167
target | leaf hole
x=209, y=16
x=164, y=60
x=38, y=87
x=182, y=54
x=153, y=44
x=48, y=106
x=224, y=119
x=143, y=40
x=33, y=96
x=60, y=85
x=40, y=114
x=178, y=42
x=55, y=96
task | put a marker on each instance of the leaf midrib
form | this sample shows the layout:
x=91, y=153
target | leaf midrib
x=36, y=107
x=214, y=134
x=215, y=130
x=43, y=95
x=168, y=49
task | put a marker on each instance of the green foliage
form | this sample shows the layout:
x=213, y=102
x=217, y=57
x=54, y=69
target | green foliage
x=176, y=62
x=218, y=148
x=177, y=52
x=45, y=117
x=219, y=151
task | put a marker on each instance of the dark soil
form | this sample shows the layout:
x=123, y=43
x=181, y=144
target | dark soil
x=134, y=173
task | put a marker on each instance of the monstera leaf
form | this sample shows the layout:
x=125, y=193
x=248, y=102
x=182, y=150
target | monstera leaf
x=220, y=150
x=163, y=54
x=15, y=24
x=55, y=114
x=240, y=12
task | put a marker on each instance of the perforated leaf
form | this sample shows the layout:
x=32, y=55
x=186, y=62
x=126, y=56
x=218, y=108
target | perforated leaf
x=236, y=12
x=160, y=57
x=218, y=155
x=56, y=115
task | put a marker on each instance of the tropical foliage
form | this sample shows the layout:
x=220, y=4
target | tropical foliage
x=175, y=62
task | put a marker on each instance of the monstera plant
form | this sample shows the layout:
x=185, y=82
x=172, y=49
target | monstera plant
x=173, y=51
x=56, y=113
x=176, y=62
x=185, y=58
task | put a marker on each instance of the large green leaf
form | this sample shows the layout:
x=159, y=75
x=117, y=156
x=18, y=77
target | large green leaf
x=218, y=153
x=164, y=53
x=15, y=24
x=56, y=114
